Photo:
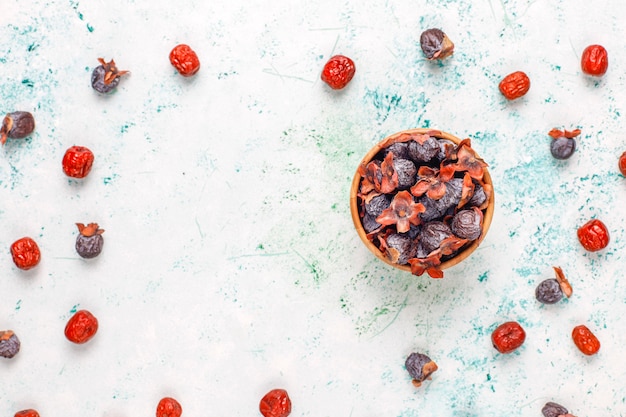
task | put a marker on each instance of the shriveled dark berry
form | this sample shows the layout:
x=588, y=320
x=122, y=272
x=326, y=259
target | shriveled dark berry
x=432, y=234
x=17, y=125
x=549, y=291
x=9, y=344
x=425, y=151
x=377, y=204
x=479, y=197
x=553, y=410
x=105, y=77
x=399, y=150
x=401, y=248
x=369, y=223
x=435, y=44
x=467, y=224
x=438, y=208
x=89, y=241
x=562, y=148
x=419, y=367
x=406, y=171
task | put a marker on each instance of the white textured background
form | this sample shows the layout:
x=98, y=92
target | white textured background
x=231, y=265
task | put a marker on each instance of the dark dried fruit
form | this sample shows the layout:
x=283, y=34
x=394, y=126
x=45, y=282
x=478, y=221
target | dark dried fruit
x=553, y=410
x=514, y=85
x=105, y=77
x=423, y=148
x=508, y=337
x=594, y=60
x=25, y=253
x=585, y=340
x=436, y=44
x=548, y=291
x=467, y=224
x=169, y=407
x=399, y=150
x=400, y=248
x=563, y=144
x=9, y=344
x=16, y=125
x=338, y=72
x=438, y=208
x=89, y=241
x=185, y=60
x=275, y=403
x=593, y=235
x=369, y=223
x=432, y=234
x=420, y=367
x=406, y=172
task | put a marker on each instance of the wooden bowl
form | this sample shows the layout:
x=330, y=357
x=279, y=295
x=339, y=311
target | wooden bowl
x=465, y=251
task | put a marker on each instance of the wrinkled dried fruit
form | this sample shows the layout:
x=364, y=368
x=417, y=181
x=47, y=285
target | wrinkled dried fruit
x=548, y=291
x=593, y=235
x=514, y=85
x=275, y=403
x=9, y=344
x=81, y=327
x=185, y=60
x=508, y=337
x=25, y=253
x=622, y=164
x=406, y=171
x=585, y=340
x=400, y=248
x=563, y=144
x=436, y=44
x=105, y=77
x=169, y=407
x=89, y=241
x=553, y=410
x=338, y=72
x=594, y=60
x=27, y=413
x=16, y=125
x=77, y=161
x=467, y=224
x=420, y=367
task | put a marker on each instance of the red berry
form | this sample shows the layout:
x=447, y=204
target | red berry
x=593, y=235
x=185, y=60
x=585, y=341
x=338, y=72
x=595, y=60
x=77, y=162
x=508, y=336
x=168, y=407
x=622, y=164
x=81, y=327
x=514, y=85
x=25, y=252
x=275, y=403
x=27, y=413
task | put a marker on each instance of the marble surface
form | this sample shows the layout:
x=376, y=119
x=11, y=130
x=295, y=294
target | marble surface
x=231, y=265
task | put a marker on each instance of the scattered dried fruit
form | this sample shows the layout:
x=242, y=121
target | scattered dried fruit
x=563, y=144
x=593, y=235
x=25, y=252
x=515, y=85
x=185, y=60
x=77, y=161
x=105, y=77
x=89, y=241
x=81, y=327
x=554, y=410
x=436, y=44
x=275, y=403
x=338, y=72
x=622, y=164
x=27, y=413
x=594, y=60
x=508, y=337
x=585, y=340
x=9, y=344
x=551, y=291
x=16, y=125
x=169, y=407
x=420, y=367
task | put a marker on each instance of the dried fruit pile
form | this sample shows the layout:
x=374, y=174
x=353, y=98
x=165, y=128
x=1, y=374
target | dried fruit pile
x=422, y=199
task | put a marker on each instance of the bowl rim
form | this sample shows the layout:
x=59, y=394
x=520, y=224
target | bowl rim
x=354, y=209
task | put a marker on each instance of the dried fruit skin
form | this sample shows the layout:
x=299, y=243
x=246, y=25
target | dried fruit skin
x=105, y=77
x=585, y=340
x=562, y=148
x=551, y=409
x=89, y=241
x=435, y=44
x=420, y=367
x=16, y=125
x=27, y=413
x=338, y=72
x=593, y=235
x=622, y=164
x=185, y=60
x=467, y=224
x=275, y=403
x=548, y=291
x=168, y=407
x=9, y=344
x=81, y=327
x=514, y=85
x=77, y=162
x=508, y=336
x=594, y=60
x=26, y=254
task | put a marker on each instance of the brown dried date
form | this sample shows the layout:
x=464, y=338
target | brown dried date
x=514, y=85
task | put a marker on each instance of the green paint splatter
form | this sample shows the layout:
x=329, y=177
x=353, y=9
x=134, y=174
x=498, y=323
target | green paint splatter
x=482, y=277
x=28, y=83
